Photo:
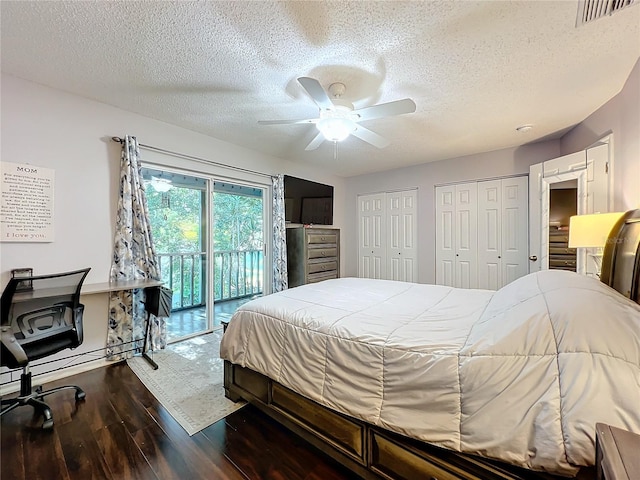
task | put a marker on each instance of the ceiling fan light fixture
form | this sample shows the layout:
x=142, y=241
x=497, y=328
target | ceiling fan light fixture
x=336, y=129
x=336, y=125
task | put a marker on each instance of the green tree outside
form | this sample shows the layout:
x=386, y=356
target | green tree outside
x=178, y=227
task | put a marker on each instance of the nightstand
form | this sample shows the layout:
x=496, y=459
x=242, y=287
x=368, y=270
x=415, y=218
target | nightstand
x=617, y=453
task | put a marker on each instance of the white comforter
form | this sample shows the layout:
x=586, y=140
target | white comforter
x=521, y=374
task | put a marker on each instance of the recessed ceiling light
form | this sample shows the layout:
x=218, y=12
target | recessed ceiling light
x=524, y=128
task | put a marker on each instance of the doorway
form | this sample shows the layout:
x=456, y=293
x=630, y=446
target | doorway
x=590, y=173
x=209, y=238
x=563, y=204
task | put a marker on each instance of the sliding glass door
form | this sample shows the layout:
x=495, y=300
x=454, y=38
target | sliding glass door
x=209, y=237
x=238, y=246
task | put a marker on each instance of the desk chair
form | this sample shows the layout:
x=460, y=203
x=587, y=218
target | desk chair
x=41, y=315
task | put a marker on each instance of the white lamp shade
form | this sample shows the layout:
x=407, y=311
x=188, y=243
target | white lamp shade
x=591, y=230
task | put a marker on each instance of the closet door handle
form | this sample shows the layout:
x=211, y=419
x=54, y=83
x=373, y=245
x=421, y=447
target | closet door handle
x=533, y=258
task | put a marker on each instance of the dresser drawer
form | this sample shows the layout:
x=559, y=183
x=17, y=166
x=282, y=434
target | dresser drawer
x=562, y=262
x=318, y=238
x=554, y=250
x=322, y=252
x=559, y=237
x=323, y=267
x=319, y=277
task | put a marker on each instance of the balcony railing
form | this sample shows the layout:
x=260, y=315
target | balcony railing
x=237, y=274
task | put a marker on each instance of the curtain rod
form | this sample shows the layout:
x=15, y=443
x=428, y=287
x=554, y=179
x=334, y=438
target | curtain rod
x=196, y=159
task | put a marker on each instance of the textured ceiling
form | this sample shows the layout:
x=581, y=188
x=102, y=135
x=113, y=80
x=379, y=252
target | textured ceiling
x=476, y=70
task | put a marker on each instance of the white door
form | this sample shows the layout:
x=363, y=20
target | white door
x=445, y=235
x=401, y=226
x=371, y=246
x=502, y=231
x=466, y=218
x=489, y=234
x=515, y=229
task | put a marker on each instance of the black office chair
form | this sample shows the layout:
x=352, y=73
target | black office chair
x=41, y=315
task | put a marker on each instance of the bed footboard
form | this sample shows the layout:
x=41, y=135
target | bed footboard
x=368, y=451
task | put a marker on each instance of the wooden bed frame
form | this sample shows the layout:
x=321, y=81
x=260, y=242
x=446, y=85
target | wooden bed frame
x=374, y=453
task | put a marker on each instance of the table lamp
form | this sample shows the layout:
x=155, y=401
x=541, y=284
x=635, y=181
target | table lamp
x=592, y=231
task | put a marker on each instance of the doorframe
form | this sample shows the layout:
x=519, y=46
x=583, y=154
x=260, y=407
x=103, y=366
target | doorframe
x=539, y=186
x=546, y=182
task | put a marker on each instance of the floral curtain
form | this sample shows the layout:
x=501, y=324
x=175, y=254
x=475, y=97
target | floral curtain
x=134, y=258
x=280, y=281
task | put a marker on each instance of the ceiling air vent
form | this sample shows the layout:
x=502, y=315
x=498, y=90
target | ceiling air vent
x=589, y=10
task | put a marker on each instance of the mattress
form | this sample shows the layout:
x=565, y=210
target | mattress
x=521, y=374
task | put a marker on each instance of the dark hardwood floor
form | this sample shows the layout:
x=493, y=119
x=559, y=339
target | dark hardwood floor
x=120, y=431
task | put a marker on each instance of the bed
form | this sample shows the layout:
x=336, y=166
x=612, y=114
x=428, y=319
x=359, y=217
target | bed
x=399, y=380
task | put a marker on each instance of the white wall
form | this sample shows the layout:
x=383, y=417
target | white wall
x=70, y=134
x=425, y=177
x=620, y=116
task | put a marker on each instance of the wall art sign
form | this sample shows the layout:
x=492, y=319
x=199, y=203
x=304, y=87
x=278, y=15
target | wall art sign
x=26, y=205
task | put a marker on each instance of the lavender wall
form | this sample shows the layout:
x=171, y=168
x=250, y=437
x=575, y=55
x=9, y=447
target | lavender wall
x=620, y=116
x=500, y=163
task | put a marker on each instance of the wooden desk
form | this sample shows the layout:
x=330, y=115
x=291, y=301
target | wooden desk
x=91, y=288
x=617, y=453
x=87, y=289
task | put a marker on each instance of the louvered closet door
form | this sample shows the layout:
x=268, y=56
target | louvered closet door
x=371, y=247
x=445, y=235
x=401, y=218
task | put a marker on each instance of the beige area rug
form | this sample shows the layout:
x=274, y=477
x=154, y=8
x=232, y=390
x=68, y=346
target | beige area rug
x=188, y=382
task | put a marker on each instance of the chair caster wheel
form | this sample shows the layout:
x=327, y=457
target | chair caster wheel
x=47, y=424
x=80, y=395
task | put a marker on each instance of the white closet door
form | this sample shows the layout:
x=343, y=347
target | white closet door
x=515, y=229
x=401, y=227
x=445, y=235
x=489, y=234
x=372, y=248
x=466, y=218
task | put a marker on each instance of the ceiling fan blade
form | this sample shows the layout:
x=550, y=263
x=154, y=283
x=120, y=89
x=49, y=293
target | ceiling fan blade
x=315, y=143
x=316, y=92
x=398, y=107
x=287, y=122
x=370, y=137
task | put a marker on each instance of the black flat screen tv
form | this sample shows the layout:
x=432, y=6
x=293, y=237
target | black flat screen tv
x=307, y=202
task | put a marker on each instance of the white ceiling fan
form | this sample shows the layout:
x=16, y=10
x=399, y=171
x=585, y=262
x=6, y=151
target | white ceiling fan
x=338, y=119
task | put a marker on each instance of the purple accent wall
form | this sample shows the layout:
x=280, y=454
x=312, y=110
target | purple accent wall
x=620, y=116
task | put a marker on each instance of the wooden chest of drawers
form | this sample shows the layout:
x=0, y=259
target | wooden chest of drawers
x=313, y=254
x=561, y=257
